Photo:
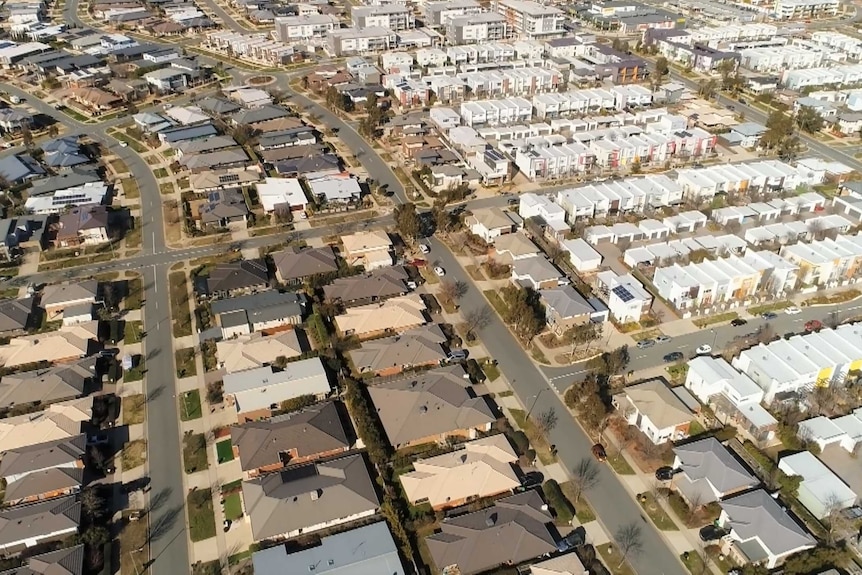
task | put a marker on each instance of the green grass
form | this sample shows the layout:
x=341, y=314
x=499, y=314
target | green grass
x=496, y=301
x=201, y=515
x=655, y=512
x=134, y=299
x=133, y=143
x=160, y=173
x=180, y=311
x=693, y=562
x=584, y=512
x=233, y=507
x=540, y=444
x=195, y=452
x=491, y=370
x=238, y=558
x=190, y=405
x=231, y=486
x=224, y=451
x=132, y=332
x=186, y=365
x=677, y=373
x=166, y=188
x=134, y=409
x=714, y=319
x=620, y=465
x=137, y=372
x=777, y=306
x=695, y=428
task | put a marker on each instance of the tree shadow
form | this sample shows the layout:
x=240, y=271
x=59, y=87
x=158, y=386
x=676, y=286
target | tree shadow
x=163, y=524
x=155, y=393
x=159, y=499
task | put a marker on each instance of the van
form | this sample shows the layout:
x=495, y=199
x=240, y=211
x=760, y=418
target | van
x=457, y=355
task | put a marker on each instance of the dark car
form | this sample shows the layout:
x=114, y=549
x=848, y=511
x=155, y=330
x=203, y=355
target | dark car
x=712, y=533
x=738, y=322
x=769, y=315
x=673, y=356
x=664, y=473
x=599, y=452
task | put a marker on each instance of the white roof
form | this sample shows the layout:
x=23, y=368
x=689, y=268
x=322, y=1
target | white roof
x=581, y=249
x=84, y=195
x=335, y=188
x=256, y=389
x=817, y=478
x=820, y=428
x=714, y=369
x=274, y=191
x=187, y=114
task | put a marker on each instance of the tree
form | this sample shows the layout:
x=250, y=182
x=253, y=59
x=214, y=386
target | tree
x=92, y=503
x=407, y=221
x=53, y=131
x=451, y=291
x=630, y=541
x=546, y=421
x=707, y=89
x=95, y=536
x=26, y=137
x=809, y=120
x=661, y=67
x=585, y=476
x=477, y=318
x=779, y=127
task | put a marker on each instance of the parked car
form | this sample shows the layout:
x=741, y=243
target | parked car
x=738, y=322
x=457, y=355
x=662, y=339
x=109, y=352
x=711, y=533
x=599, y=452
x=664, y=473
x=813, y=325
x=124, y=144
x=793, y=310
x=645, y=343
x=424, y=249
x=673, y=356
x=439, y=271
x=98, y=439
x=768, y=315
x=703, y=349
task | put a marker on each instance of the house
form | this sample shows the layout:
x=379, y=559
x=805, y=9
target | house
x=821, y=491
x=567, y=564
x=514, y=247
x=566, y=308
x=655, y=410
x=845, y=431
x=267, y=445
x=282, y=194
x=44, y=470
x=369, y=549
x=78, y=314
x=484, y=467
x=537, y=273
x=220, y=208
x=748, y=134
x=761, y=529
x=420, y=347
x=85, y=226
x=294, y=265
x=15, y=315
x=63, y=152
x=583, y=257
x=491, y=223
x=213, y=180
x=264, y=311
x=430, y=406
x=18, y=169
x=97, y=100
x=17, y=235
x=395, y=315
x=25, y=526
x=57, y=297
x=257, y=393
x=371, y=249
x=510, y=532
x=58, y=421
x=69, y=560
x=309, y=497
x=237, y=278
x=709, y=472
x=47, y=386
x=254, y=350
x=67, y=344
x=336, y=190
x=379, y=285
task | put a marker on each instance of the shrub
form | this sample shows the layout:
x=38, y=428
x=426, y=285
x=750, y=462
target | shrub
x=554, y=495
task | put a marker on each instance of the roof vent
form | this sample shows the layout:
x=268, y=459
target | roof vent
x=423, y=409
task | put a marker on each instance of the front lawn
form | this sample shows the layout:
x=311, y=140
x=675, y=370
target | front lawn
x=224, y=451
x=233, y=506
x=652, y=507
x=185, y=358
x=134, y=409
x=134, y=454
x=201, y=514
x=190, y=405
x=195, y=452
x=611, y=558
x=538, y=441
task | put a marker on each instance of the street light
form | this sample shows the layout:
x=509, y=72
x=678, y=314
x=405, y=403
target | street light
x=714, y=337
x=535, y=399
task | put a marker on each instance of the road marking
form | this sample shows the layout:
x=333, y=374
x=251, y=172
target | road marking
x=154, y=249
x=566, y=375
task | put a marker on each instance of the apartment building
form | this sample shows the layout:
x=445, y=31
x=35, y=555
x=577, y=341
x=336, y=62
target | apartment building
x=485, y=27
x=393, y=16
x=826, y=262
x=304, y=28
x=530, y=19
x=805, y=9
x=350, y=41
x=439, y=14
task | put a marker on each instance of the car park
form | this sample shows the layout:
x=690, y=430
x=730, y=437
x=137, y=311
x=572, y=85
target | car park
x=673, y=356
x=599, y=452
x=738, y=322
x=645, y=343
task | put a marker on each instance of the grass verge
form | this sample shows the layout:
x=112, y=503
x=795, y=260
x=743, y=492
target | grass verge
x=195, y=452
x=656, y=513
x=190, y=405
x=134, y=454
x=540, y=444
x=186, y=365
x=201, y=515
x=134, y=409
x=182, y=316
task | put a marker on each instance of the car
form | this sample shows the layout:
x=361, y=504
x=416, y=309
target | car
x=768, y=315
x=513, y=201
x=124, y=144
x=711, y=533
x=645, y=343
x=424, y=249
x=662, y=339
x=227, y=523
x=738, y=322
x=673, y=356
x=664, y=473
x=813, y=325
x=109, y=352
x=743, y=102
x=98, y=439
x=703, y=349
x=599, y=452
x=303, y=216
x=439, y=271
x=457, y=355
x=793, y=310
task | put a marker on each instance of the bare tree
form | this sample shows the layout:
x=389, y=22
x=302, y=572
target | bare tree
x=478, y=318
x=451, y=291
x=695, y=501
x=546, y=421
x=630, y=541
x=585, y=475
x=833, y=520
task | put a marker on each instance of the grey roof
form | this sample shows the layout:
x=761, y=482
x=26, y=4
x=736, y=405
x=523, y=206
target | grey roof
x=566, y=302
x=217, y=106
x=14, y=313
x=261, y=114
x=262, y=306
x=188, y=132
x=286, y=137
x=368, y=550
x=757, y=514
x=312, y=431
x=419, y=346
x=296, y=264
x=38, y=520
x=427, y=404
x=749, y=129
x=708, y=459
x=307, y=165
x=513, y=530
x=223, y=157
x=292, y=152
x=59, y=294
x=42, y=455
x=301, y=496
x=538, y=269
x=70, y=178
x=57, y=383
x=16, y=168
x=237, y=275
x=44, y=481
x=381, y=283
x=68, y=561
x=223, y=205
x=207, y=144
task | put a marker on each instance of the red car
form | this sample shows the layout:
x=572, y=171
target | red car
x=813, y=325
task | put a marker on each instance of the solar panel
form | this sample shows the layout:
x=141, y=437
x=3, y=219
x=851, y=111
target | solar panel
x=622, y=293
x=228, y=178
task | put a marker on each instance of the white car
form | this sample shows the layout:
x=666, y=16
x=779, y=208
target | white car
x=792, y=310
x=704, y=349
x=439, y=271
x=124, y=144
x=424, y=249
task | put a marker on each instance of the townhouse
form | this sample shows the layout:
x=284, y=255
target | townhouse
x=495, y=112
x=847, y=74
x=826, y=262
x=629, y=195
x=514, y=82
x=626, y=297
x=770, y=177
x=707, y=283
